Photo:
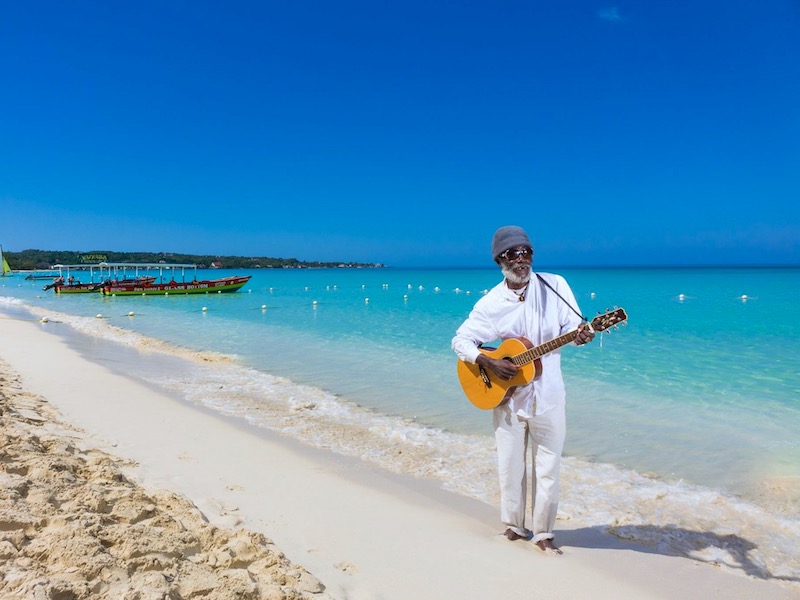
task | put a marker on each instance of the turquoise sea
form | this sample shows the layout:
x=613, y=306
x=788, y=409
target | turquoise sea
x=683, y=425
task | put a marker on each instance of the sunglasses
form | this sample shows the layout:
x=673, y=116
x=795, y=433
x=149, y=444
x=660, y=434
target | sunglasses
x=513, y=254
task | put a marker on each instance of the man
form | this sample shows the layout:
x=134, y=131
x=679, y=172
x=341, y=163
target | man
x=523, y=305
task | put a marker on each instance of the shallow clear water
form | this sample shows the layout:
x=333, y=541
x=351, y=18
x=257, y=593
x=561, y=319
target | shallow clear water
x=698, y=395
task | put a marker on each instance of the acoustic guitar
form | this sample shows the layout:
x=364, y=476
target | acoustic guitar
x=486, y=390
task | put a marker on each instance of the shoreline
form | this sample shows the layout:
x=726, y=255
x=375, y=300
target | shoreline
x=363, y=532
x=751, y=448
x=74, y=525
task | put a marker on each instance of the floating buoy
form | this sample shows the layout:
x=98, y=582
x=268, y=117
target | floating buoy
x=366, y=300
x=681, y=297
x=436, y=289
x=44, y=319
x=744, y=298
x=130, y=314
x=592, y=295
x=205, y=308
x=405, y=297
x=99, y=316
x=263, y=307
x=314, y=303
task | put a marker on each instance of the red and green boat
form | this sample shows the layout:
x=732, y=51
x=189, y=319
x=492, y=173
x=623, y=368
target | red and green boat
x=205, y=286
x=62, y=287
x=136, y=279
x=68, y=280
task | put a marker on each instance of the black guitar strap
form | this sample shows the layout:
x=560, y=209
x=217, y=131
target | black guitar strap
x=584, y=319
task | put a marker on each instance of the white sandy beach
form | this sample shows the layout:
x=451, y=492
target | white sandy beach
x=347, y=530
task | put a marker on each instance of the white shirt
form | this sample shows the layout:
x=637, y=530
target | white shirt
x=541, y=317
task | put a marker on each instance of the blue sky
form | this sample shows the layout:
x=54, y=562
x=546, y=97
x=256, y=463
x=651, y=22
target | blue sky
x=648, y=133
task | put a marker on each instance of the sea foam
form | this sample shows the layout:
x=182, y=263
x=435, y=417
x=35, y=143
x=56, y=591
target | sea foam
x=671, y=517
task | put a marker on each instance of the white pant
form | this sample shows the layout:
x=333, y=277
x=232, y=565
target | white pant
x=546, y=433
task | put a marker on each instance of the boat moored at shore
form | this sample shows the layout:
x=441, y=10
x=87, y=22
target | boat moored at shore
x=131, y=279
x=67, y=280
x=44, y=275
x=206, y=286
x=75, y=287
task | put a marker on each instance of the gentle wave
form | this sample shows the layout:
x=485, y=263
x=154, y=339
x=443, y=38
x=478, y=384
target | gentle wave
x=674, y=517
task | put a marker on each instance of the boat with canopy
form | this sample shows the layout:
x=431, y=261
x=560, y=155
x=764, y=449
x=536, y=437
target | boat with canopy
x=179, y=281
x=139, y=279
x=68, y=280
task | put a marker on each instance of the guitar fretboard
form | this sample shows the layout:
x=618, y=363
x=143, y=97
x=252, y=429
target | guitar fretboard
x=599, y=323
x=538, y=351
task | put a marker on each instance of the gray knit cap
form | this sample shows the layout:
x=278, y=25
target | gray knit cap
x=509, y=237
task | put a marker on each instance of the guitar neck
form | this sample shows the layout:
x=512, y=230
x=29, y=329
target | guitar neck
x=599, y=323
x=532, y=354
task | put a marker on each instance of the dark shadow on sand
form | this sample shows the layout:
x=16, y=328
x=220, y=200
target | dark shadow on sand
x=662, y=540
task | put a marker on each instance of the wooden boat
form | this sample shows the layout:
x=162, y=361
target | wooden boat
x=206, y=286
x=68, y=280
x=43, y=275
x=62, y=287
x=115, y=280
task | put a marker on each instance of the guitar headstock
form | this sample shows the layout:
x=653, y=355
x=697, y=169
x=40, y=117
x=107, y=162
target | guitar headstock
x=609, y=319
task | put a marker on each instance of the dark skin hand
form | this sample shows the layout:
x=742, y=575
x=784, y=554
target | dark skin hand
x=505, y=369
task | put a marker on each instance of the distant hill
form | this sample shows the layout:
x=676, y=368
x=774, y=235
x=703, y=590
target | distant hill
x=45, y=259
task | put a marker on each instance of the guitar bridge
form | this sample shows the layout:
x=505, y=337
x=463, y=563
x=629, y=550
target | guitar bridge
x=485, y=377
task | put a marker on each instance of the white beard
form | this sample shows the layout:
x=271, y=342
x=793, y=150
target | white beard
x=512, y=277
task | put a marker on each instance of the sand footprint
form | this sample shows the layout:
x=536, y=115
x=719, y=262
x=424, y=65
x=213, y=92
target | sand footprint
x=346, y=567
